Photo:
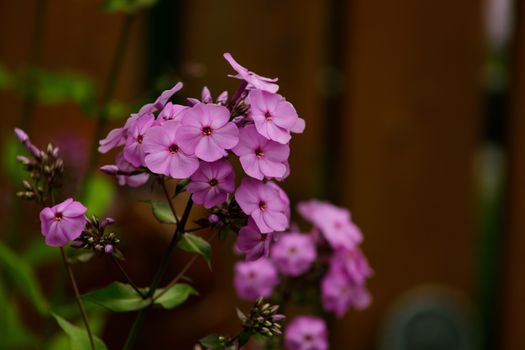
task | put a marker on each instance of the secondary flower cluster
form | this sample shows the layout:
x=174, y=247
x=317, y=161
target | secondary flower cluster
x=327, y=259
x=199, y=139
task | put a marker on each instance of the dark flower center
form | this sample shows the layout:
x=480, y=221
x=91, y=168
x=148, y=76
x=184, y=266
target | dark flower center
x=259, y=153
x=308, y=337
x=58, y=217
x=140, y=138
x=292, y=249
x=262, y=205
x=213, y=182
x=252, y=275
x=173, y=149
x=268, y=116
x=338, y=225
x=206, y=131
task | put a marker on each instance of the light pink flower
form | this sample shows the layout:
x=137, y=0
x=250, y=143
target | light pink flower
x=252, y=242
x=211, y=184
x=306, y=333
x=170, y=112
x=63, y=223
x=353, y=263
x=274, y=117
x=161, y=101
x=134, y=149
x=264, y=204
x=207, y=132
x=294, y=253
x=259, y=156
x=129, y=180
x=255, y=279
x=253, y=80
x=163, y=154
x=206, y=97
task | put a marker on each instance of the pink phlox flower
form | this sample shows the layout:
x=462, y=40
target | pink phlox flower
x=264, y=204
x=354, y=263
x=253, y=80
x=212, y=182
x=163, y=154
x=274, y=117
x=207, y=132
x=161, y=101
x=306, y=333
x=254, y=279
x=294, y=253
x=63, y=222
x=259, y=156
x=253, y=243
x=129, y=180
x=170, y=112
x=134, y=148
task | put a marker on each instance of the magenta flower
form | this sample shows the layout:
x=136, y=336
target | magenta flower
x=170, y=112
x=306, y=333
x=252, y=242
x=161, y=101
x=353, y=263
x=264, y=204
x=206, y=97
x=253, y=80
x=134, y=149
x=259, y=156
x=63, y=223
x=115, y=138
x=294, y=253
x=254, y=279
x=334, y=223
x=207, y=132
x=274, y=117
x=211, y=184
x=163, y=154
x=124, y=166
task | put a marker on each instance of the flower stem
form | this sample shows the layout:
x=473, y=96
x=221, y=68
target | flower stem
x=168, y=198
x=126, y=276
x=77, y=297
x=177, y=235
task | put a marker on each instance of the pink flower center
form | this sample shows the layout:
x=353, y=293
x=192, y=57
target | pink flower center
x=268, y=116
x=58, y=217
x=259, y=153
x=173, y=149
x=262, y=205
x=338, y=225
x=213, y=182
x=292, y=250
x=206, y=131
x=140, y=138
x=252, y=275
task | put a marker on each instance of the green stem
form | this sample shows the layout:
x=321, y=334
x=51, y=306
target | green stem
x=139, y=320
x=77, y=297
x=127, y=277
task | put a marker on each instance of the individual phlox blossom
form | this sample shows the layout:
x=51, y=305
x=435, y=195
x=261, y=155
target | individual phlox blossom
x=334, y=223
x=207, y=132
x=306, y=333
x=254, y=279
x=284, y=198
x=353, y=263
x=264, y=204
x=134, y=148
x=63, y=222
x=253, y=80
x=293, y=253
x=261, y=158
x=206, y=97
x=252, y=242
x=339, y=293
x=163, y=154
x=170, y=112
x=212, y=182
x=118, y=137
x=129, y=180
x=274, y=117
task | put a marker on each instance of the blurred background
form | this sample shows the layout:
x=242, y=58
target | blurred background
x=415, y=122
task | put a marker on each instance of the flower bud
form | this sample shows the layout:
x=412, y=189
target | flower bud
x=108, y=249
x=21, y=135
x=109, y=169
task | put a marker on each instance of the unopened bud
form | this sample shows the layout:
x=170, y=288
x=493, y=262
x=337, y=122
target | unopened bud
x=109, y=169
x=213, y=219
x=108, y=248
x=24, y=160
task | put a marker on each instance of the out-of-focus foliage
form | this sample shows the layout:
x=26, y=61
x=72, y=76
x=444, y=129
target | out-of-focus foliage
x=99, y=192
x=10, y=149
x=195, y=244
x=117, y=297
x=5, y=77
x=175, y=295
x=78, y=337
x=128, y=6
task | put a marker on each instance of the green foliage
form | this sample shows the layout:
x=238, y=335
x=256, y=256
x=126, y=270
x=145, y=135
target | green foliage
x=195, y=244
x=162, y=212
x=175, y=296
x=11, y=148
x=117, y=297
x=98, y=195
x=22, y=277
x=78, y=337
x=128, y=6
x=5, y=77
x=37, y=253
x=213, y=342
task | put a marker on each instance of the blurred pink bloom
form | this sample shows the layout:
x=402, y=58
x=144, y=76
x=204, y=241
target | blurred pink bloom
x=207, y=132
x=294, y=253
x=259, y=156
x=129, y=180
x=252, y=242
x=254, y=279
x=212, y=182
x=353, y=263
x=306, y=333
x=63, y=223
x=253, y=80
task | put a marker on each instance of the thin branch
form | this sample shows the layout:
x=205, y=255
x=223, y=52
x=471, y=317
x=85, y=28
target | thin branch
x=128, y=278
x=169, y=199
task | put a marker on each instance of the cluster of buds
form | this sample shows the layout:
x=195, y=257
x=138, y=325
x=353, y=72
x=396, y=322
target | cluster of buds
x=96, y=239
x=45, y=169
x=263, y=319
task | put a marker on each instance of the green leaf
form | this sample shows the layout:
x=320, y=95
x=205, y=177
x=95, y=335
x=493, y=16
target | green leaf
x=22, y=276
x=175, y=296
x=117, y=297
x=78, y=337
x=212, y=342
x=98, y=195
x=194, y=244
x=162, y=212
x=128, y=6
x=181, y=186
